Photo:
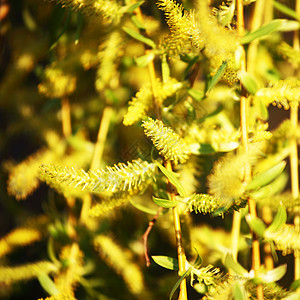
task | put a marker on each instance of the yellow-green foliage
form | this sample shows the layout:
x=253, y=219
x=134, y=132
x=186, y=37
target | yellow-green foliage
x=24, y=272
x=169, y=144
x=121, y=262
x=18, y=238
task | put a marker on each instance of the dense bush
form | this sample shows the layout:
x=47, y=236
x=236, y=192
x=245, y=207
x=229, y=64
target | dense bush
x=141, y=137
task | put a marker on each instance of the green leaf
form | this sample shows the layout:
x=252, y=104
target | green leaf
x=279, y=219
x=165, y=68
x=275, y=187
x=135, y=20
x=266, y=177
x=239, y=292
x=270, y=276
x=198, y=260
x=215, y=79
x=47, y=284
x=166, y=262
x=172, y=178
x=143, y=208
x=289, y=26
x=232, y=264
x=134, y=6
x=262, y=31
x=256, y=224
x=165, y=202
x=139, y=37
x=286, y=10
x=175, y=287
x=144, y=60
x=249, y=82
x=196, y=94
x=295, y=285
x=264, y=113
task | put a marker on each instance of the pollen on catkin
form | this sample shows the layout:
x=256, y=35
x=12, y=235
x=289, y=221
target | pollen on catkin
x=17, y=238
x=28, y=271
x=118, y=259
x=169, y=144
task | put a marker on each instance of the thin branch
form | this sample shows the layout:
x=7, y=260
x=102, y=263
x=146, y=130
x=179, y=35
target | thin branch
x=146, y=234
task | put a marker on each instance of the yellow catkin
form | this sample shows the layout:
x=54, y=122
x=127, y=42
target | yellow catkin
x=57, y=83
x=26, y=271
x=23, y=178
x=169, y=144
x=110, y=10
x=109, y=54
x=67, y=279
x=62, y=296
x=118, y=259
x=107, y=205
x=18, y=237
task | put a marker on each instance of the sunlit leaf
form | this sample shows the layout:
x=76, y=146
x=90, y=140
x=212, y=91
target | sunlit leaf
x=139, y=37
x=279, y=219
x=232, y=264
x=172, y=178
x=166, y=262
x=256, y=224
x=177, y=284
x=165, y=202
x=266, y=177
x=48, y=285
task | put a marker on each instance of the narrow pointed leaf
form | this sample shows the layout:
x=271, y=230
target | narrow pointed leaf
x=262, y=31
x=239, y=292
x=256, y=224
x=279, y=219
x=47, y=284
x=166, y=262
x=275, y=187
x=137, y=22
x=134, y=6
x=165, y=202
x=198, y=260
x=295, y=285
x=249, y=82
x=143, y=208
x=216, y=78
x=172, y=178
x=230, y=263
x=177, y=284
x=139, y=37
x=286, y=10
x=266, y=177
x=144, y=60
